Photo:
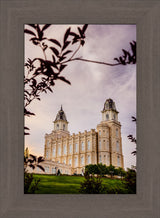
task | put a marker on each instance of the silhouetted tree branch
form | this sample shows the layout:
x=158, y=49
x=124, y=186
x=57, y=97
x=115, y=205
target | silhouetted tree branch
x=41, y=73
x=132, y=138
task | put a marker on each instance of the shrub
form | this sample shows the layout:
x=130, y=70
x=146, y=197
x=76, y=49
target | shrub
x=92, y=185
x=130, y=181
x=30, y=184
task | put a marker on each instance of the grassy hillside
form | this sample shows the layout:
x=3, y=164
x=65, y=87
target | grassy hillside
x=51, y=184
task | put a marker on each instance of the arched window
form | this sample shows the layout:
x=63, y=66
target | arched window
x=69, y=161
x=99, y=132
x=100, y=144
x=63, y=126
x=107, y=116
x=57, y=126
x=114, y=116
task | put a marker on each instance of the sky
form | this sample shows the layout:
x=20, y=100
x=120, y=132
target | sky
x=91, y=85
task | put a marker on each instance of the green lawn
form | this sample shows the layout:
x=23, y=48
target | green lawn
x=51, y=184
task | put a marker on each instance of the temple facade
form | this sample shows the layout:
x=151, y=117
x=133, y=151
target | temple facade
x=71, y=153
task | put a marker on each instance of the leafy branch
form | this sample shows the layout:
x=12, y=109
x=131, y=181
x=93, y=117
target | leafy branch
x=132, y=138
x=41, y=73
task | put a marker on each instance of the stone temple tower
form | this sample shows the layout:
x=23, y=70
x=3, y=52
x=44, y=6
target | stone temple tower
x=109, y=136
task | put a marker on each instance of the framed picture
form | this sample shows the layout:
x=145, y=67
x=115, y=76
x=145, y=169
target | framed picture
x=14, y=15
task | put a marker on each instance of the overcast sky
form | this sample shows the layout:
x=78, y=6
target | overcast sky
x=91, y=85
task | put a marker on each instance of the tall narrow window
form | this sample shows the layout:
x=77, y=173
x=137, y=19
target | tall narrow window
x=89, y=159
x=99, y=132
x=59, y=150
x=70, y=161
x=82, y=160
x=88, y=145
x=107, y=145
x=76, y=147
x=100, y=144
x=57, y=126
x=82, y=146
x=70, y=148
x=54, y=152
x=116, y=132
x=100, y=159
x=63, y=126
x=118, y=161
x=117, y=144
x=107, y=116
x=76, y=161
x=47, y=154
x=64, y=149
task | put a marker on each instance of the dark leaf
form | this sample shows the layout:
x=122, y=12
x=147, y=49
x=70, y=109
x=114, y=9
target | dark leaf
x=74, y=34
x=26, y=133
x=66, y=44
x=81, y=33
x=40, y=159
x=55, y=41
x=84, y=28
x=27, y=113
x=66, y=34
x=116, y=59
x=29, y=32
x=52, y=83
x=41, y=168
x=134, y=119
x=62, y=58
x=33, y=156
x=40, y=33
x=62, y=67
x=26, y=128
x=38, y=99
x=74, y=40
x=64, y=79
x=134, y=152
x=32, y=166
x=67, y=52
x=49, y=89
x=45, y=26
x=82, y=42
x=30, y=160
x=55, y=51
x=54, y=60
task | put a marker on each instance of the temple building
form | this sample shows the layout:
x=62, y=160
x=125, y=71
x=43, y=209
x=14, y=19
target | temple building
x=71, y=153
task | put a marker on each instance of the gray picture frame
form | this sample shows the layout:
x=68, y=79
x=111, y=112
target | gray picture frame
x=13, y=15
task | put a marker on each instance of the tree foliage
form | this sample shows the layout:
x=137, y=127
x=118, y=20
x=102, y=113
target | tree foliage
x=132, y=138
x=31, y=184
x=41, y=73
x=92, y=185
